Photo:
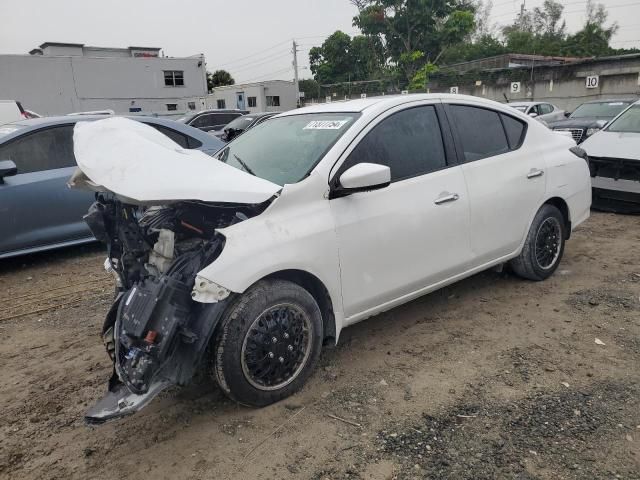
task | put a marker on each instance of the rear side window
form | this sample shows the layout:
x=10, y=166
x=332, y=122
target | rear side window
x=514, y=129
x=408, y=142
x=183, y=140
x=45, y=149
x=480, y=131
x=203, y=121
x=545, y=108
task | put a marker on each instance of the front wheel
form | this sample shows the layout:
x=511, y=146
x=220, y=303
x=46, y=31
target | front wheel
x=543, y=247
x=268, y=344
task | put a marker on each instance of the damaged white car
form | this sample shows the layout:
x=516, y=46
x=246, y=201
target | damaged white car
x=310, y=222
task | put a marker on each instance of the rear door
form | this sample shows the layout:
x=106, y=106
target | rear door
x=36, y=206
x=505, y=181
x=397, y=240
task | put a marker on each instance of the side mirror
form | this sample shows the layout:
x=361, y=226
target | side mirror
x=7, y=169
x=361, y=178
x=533, y=114
x=567, y=114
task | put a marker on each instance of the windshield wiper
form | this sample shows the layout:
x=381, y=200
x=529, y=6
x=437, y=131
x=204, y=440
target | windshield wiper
x=244, y=165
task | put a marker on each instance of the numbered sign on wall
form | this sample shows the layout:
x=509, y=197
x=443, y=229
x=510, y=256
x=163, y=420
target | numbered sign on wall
x=592, y=81
x=363, y=95
x=515, y=87
x=453, y=90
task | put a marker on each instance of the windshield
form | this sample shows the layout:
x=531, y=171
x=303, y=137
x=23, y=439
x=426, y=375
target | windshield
x=284, y=150
x=604, y=109
x=240, y=123
x=522, y=108
x=629, y=121
x=7, y=129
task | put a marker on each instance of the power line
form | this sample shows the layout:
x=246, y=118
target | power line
x=253, y=54
x=268, y=74
x=248, y=66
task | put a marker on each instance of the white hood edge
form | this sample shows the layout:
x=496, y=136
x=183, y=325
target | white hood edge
x=137, y=162
x=613, y=145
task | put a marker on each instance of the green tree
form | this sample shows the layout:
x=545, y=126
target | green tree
x=415, y=32
x=219, y=78
x=342, y=58
x=594, y=37
x=310, y=87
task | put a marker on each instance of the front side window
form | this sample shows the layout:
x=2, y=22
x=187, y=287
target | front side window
x=408, y=142
x=480, y=131
x=629, y=121
x=286, y=149
x=45, y=149
x=174, y=78
x=273, y=101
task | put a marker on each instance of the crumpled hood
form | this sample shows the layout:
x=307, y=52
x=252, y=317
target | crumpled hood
x=613, y=145
x=138, y=162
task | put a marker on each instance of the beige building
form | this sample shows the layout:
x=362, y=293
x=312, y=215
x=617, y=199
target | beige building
x=267, y=96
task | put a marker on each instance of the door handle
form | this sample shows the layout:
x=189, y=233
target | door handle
x=533, y=173
x=447, y=198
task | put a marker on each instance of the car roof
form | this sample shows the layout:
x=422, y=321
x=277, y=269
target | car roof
x=522, y=104
x=36, y=123
x=385, y=101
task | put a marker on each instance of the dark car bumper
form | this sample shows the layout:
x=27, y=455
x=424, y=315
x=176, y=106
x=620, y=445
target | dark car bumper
x=616, y=184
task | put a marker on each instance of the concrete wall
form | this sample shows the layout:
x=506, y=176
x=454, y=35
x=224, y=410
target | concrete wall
x=285, y=90
x=564, y=86
x=56, y=85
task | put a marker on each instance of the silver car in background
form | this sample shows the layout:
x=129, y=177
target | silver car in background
x=544, y=111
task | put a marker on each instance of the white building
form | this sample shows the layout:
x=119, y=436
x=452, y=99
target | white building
x=267, y=96
x=60, y=78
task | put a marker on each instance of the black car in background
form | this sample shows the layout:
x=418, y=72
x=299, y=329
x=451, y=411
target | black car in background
x=211, y=120
x=590, y=117
x=241, y=124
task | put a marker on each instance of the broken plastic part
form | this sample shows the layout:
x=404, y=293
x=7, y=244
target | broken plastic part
x=161, y=256
x=121, y=402
x=206, y=291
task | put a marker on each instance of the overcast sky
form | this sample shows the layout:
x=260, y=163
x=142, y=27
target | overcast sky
x=250, y=38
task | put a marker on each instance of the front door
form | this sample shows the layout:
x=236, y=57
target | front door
x=36, y=206
x=240, y=101
x=413, y=233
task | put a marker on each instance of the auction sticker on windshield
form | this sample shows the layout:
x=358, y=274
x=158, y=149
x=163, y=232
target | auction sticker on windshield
x=326, y=124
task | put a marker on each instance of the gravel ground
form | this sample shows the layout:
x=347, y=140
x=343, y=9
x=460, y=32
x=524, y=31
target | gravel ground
x=492, y=378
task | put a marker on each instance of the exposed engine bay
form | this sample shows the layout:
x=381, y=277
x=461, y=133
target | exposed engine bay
x=155, y=333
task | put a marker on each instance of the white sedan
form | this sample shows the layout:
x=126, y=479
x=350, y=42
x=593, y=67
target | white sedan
x=544, y=111
x=317, y=219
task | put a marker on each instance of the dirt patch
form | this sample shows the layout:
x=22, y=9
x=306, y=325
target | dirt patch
x=501, y=378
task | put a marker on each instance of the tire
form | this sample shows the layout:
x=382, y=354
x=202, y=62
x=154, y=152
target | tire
x=268, y=343
x=544, y=246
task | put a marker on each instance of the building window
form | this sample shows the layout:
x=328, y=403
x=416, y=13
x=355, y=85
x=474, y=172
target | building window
x=174, y=78
x=273, y=101
x=221, y=103
x=172, y=107
x=253, y=101
x=191, y=105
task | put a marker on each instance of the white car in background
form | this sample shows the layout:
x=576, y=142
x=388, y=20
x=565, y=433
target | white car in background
x=614, y=161
x=544, y=111
x=310, y=222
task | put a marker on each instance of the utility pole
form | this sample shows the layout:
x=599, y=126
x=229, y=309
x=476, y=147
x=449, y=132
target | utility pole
x=522, y=12
x=295, y=72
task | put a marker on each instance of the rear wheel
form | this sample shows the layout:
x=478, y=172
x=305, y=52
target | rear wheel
x=543, y=247
x=268, y=344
